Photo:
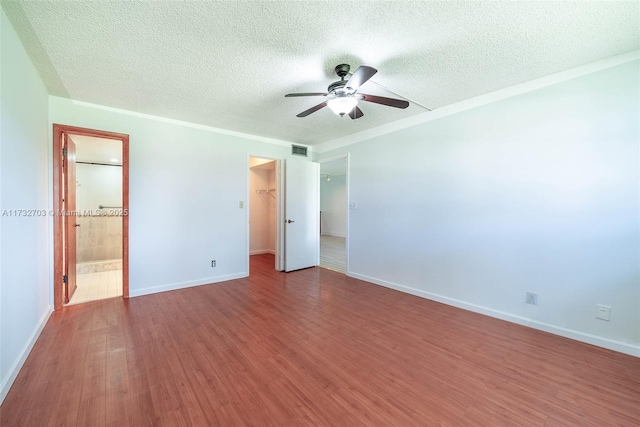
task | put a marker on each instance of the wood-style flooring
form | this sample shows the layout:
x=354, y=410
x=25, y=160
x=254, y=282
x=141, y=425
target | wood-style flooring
x=312, y=347
x=333, y=253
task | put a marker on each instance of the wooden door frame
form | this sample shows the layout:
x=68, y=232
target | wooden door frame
x=58, y=266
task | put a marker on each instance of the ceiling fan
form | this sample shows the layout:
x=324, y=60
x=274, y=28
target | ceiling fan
x=343, y=95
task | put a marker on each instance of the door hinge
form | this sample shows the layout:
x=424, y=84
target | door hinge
x=64, y=152
x=65, y=279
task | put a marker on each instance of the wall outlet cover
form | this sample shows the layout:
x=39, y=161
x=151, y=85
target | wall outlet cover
x=531, y=298
x=603, y=312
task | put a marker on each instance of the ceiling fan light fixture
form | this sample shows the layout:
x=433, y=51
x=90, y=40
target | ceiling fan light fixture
x=342, y=105
x=342, y=96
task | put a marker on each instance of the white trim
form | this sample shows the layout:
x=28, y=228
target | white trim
x=262, y=251
x=280, y=199
x=188, y=284
x=7, y=381
x=333, y=158
x=477, y=101
x=247, y=213
x=188, y=124
x=619, y=346
x=347, y=240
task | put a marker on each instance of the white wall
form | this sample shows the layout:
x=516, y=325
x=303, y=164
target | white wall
x=537, y=193
x=24, y=240
x=263, y=209
x=186, y=183
x=333, y=204
x=98, y=185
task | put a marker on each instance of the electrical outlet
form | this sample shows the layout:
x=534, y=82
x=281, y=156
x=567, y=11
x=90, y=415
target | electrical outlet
x=241, y=204
x=531, y=298
x=213, y=263
x=603, y=312
x=353, y=205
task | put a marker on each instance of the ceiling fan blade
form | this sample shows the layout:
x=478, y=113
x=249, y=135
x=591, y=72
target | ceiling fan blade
x=362, y=74
x=312, y=110
x=391, y=102
x=356, y=113
x=289, y=95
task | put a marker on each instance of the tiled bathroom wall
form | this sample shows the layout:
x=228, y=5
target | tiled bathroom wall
x=99, y=238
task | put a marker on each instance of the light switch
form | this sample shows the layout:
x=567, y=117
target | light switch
x=353, y=205
x=241, y=204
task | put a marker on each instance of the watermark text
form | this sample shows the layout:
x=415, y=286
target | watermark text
x=63, y=212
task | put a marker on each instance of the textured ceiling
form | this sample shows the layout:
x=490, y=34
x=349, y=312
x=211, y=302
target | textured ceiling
x=229, y=64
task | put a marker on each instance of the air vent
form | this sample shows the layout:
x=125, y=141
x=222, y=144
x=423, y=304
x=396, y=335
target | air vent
x=298, y=150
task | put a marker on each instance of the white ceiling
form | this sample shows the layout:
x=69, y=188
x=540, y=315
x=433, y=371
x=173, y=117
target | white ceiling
x=229, y=64
x=97, y=150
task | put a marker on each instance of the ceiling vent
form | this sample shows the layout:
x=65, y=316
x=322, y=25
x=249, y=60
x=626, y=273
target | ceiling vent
x=298, y=150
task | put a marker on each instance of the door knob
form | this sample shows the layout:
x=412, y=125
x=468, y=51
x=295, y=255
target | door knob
x=77, y=225
x=290, y=221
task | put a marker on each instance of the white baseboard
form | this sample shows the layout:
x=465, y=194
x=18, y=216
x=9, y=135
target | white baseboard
x=324, y=233
x=614, y=345
x=188, y=284
x=7, y=381
x=262, y=251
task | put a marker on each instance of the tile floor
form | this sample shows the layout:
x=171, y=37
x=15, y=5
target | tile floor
x=96, y=286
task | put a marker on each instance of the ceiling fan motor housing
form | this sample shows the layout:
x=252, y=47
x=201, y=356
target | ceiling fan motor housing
x=341, y=70
x=336, y=86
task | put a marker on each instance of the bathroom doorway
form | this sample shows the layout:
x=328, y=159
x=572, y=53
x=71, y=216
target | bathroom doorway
x=90, y=215
x=99, y=222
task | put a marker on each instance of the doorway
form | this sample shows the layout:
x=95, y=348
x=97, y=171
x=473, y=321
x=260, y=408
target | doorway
x=91, y=207
x=264, y=209
x=284, y=207
x=333, y=213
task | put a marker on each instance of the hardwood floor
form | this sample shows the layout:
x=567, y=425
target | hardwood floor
x=312, y=347
x=333, y=253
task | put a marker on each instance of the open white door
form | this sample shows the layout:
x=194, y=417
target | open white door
x=301, y=214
